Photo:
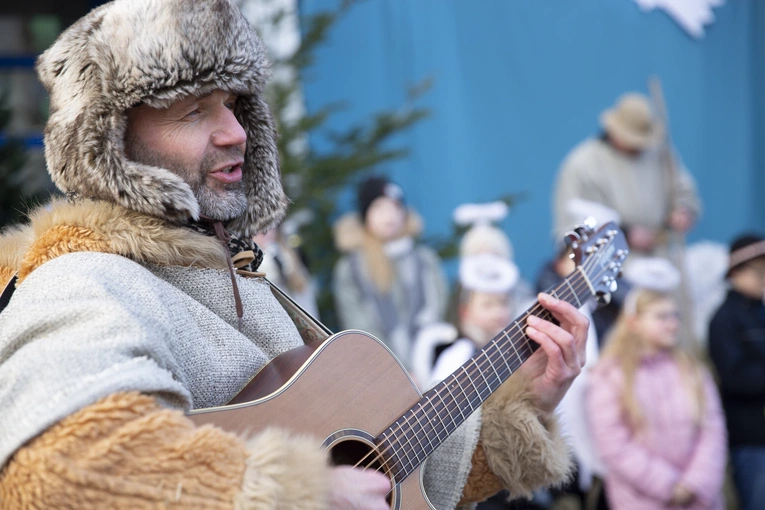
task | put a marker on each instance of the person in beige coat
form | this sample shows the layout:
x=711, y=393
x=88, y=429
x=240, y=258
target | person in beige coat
x=623, y=169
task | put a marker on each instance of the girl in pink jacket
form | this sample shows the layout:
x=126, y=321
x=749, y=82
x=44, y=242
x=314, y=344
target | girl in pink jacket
x=654, y=409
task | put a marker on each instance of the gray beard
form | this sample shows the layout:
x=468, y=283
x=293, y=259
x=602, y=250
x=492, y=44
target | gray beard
x=221, y=206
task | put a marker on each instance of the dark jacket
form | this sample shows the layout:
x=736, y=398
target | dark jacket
x=737, y=349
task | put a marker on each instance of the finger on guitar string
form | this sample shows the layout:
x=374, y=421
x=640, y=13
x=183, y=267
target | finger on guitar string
x=571, y=321
x=554, y=340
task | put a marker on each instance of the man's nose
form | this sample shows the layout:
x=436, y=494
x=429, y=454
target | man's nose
x=229, y=132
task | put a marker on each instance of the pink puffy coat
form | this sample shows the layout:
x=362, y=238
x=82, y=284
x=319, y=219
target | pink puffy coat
x=642, y=469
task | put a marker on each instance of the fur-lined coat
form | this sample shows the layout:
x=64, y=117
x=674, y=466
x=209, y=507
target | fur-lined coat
x=120, y=322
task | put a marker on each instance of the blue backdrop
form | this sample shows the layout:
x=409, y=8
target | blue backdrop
x=517, y=83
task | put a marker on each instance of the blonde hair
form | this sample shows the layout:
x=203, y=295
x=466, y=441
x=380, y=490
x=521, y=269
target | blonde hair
x=623, y=349
x=380, y=267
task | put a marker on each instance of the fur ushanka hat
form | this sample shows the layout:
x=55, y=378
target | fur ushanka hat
x=129, y=52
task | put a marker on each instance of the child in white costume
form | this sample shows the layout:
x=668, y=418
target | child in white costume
x=486, y=266
x=484, y=308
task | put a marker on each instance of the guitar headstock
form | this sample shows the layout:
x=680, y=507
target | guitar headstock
x=600, y=255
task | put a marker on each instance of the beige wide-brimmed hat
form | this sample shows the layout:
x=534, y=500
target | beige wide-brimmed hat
x=631, y=121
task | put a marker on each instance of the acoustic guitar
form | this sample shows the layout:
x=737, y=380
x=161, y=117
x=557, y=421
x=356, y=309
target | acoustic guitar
x=352, y=392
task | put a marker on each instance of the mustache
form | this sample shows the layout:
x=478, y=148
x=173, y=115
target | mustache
x=212, y=160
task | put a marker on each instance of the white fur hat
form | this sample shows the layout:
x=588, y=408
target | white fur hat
x=128, y=52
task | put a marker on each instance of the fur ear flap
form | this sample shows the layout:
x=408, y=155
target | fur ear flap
x=88, y=157
x=267, y=202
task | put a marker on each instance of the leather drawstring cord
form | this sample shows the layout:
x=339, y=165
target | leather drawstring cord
x=223, y=236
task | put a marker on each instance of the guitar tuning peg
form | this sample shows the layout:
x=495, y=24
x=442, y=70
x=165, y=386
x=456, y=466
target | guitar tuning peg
x=582, y=231
x=613, y=286
x=571, y=239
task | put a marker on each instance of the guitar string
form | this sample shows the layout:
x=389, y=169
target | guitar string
x=535, y=308
x=560, y=292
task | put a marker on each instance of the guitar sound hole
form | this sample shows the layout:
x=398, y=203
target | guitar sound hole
x=360, y=454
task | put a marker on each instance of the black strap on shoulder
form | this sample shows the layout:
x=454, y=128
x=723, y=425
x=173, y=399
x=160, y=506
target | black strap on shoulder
x=5, y=297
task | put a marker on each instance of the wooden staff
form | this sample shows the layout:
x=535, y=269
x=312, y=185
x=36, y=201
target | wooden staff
x=676, y=240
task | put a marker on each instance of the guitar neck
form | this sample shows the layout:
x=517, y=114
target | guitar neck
x=419, y=431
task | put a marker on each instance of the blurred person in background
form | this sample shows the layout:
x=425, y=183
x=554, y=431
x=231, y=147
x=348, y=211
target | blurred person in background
x=623, y=169
x=737, y=349
x=386, y=283
x=654, y=408
x=285, y=267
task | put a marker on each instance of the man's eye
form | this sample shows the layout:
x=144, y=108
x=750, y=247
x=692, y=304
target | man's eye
x=231, y=104
x=192, y=113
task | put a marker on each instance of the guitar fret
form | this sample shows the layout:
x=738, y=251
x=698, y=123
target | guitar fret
x=488, y=386
x=501, y=355
x=492, y=366
x=471, y=382
x=403, y=447
x=454, y=424
x=517, y=355
x=586, y=280
x=573, y=292
x=518, y=324
x=423, y=428
x=429, y=420
x=467, y=398
x=459, y=408
x=395, y=458
x=435, y=421
x=416, y=436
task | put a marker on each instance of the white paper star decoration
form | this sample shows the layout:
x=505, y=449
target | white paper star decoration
x=691, y=15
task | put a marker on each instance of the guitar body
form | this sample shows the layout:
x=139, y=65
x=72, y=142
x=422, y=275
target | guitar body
x=344, y=391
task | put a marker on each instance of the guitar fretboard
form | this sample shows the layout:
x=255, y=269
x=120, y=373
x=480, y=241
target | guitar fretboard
x=410, y=439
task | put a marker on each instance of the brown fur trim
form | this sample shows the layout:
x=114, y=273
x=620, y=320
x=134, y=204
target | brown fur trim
x=13, y=244
x=90, y=225
x=482, y=483
x=284, y=473
x=6, y=273
x=58, y=241
x=124, y=452
x=525, y=449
